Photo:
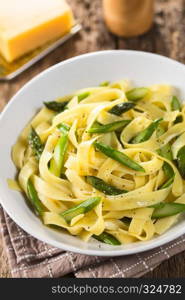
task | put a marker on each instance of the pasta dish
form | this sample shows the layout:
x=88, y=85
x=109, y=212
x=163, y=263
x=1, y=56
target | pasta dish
x=106, y=163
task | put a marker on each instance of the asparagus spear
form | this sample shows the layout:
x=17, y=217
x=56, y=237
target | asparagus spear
x=146, y=133
x=82, y=208
x=168, y=170
x=99, y=128
x=163, y=210
x=107, y=238
x=35, y=143
x=57, y=162
x=82, y=96
x=181, y=161
x=137, y=93
x=118, y=156
x=104, y=187
x=167, y=183
x=166, y=152
x=160, y=130
x=34, y=199
x=175, y=104
x=121, y=108
x=56, y=106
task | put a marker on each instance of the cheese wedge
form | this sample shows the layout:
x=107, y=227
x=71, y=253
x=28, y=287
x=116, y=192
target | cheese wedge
x=28, y=24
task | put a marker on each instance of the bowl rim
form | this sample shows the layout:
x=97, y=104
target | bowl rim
x=143, y=247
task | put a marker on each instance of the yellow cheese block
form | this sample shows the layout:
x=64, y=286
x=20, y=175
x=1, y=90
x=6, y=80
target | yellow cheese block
x=28, y=24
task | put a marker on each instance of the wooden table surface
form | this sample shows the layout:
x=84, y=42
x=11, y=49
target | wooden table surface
x=167, y=37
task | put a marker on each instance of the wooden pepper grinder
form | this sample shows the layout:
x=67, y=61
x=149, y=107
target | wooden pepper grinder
x=128, y=18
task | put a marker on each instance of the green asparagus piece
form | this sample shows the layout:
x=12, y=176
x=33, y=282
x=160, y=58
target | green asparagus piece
x=175, y=104
x=56, y=106
x=57, y=162
x=146, y=133
x=166, y=152
x=137, y=93
x=168, y=170
x=181, y=161
x=105, y=83
x=107, y=238
x=35, y=143
x=118, y=156
x=99, y=128
x=157, y=205
x=34, y=199
x=104, y=187
x=82, y=208
x=167, y=183
x=83, y=96
x=163, y=210
x=160, y=130
x=169, y=173
x=121, y=108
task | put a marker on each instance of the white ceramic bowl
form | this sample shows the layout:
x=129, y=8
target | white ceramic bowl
x=64, y=78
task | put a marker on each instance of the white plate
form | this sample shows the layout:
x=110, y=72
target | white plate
x=64, y=78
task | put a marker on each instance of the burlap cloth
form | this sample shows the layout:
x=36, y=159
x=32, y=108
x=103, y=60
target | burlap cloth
x=28, y=257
